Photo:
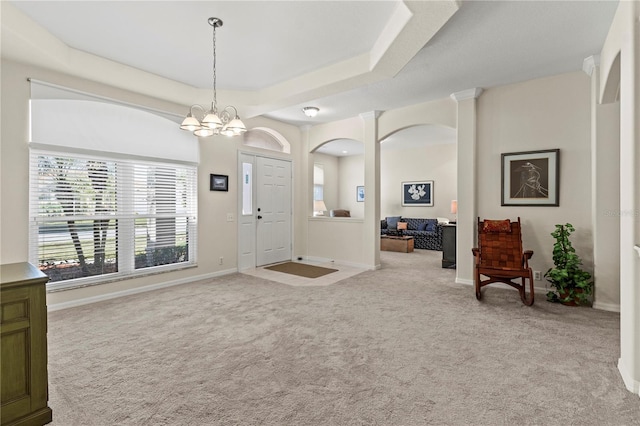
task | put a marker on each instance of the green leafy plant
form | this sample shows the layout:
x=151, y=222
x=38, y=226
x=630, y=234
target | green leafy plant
x=573, y=285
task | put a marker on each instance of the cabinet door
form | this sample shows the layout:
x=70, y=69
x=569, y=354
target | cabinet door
x=23, y=364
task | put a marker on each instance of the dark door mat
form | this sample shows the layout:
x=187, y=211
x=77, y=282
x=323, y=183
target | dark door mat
x=301, y=269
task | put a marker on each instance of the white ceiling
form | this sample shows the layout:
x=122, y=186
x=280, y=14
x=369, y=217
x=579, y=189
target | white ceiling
x=274, y=57
x=260, y=43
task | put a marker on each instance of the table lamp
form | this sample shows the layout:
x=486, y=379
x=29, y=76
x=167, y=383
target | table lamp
x=454, y=210
x=319, y=208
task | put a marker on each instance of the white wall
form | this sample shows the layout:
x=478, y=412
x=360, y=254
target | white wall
x=433, y=162
x=351, y=170
x=545, y=113
x=331, y=179
x=605, y=198
x=337, y=238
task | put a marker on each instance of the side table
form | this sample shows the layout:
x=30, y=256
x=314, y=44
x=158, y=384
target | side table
x=449, y=246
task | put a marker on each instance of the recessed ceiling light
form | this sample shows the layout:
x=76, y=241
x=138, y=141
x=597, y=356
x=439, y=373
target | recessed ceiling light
x=310, y=111
x=345, y=152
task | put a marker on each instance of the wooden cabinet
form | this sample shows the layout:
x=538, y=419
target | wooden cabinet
x=449, y=246
x=23, y=346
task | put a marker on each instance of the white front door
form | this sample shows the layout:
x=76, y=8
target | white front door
x=273, y=211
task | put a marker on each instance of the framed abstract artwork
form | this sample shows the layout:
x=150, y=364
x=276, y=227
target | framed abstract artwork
x=419, y=193
x=359, y=194
x=218, y=182
x=531, y=178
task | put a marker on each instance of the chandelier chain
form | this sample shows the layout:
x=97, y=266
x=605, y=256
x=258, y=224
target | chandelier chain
x=215, y=99
x=225, y=123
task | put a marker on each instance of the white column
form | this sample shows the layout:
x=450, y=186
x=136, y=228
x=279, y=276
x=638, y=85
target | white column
x=605, y=193
x=371, y=230
x=466, y=193
x=629, y=363
x=301, y=229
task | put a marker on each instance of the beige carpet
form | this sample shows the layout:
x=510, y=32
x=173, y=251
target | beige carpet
x=301, y=269
x=403, y=345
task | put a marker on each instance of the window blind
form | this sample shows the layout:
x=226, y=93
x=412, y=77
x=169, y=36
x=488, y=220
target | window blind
x=64, y=117
x=96, y=218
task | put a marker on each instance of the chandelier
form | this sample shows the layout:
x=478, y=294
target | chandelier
x=212, y=123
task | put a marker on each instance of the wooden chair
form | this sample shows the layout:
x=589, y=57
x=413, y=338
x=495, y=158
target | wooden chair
x=499, y=256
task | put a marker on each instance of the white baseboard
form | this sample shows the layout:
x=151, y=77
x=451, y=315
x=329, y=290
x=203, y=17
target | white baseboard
x=316, y=259
x=116, y=294
x=632, y=385
x=464, y=281
x=611, y=307
x=342, y=262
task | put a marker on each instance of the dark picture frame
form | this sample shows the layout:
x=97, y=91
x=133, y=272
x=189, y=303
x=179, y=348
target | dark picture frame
x=531, y=178
x=417, y=193
x=218, y=182
x=360, y=194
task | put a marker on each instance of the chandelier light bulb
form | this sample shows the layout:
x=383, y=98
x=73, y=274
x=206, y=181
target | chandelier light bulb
x=204, y=132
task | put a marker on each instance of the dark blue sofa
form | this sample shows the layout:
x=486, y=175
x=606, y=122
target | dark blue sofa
x=426, y=233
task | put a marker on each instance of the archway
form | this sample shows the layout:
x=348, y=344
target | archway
x=424, y=152
x=340, y=162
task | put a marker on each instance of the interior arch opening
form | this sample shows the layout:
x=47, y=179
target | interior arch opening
x=423, y=153
x=339, y=179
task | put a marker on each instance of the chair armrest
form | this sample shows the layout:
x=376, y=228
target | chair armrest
x=528, y=254
x=476, y=254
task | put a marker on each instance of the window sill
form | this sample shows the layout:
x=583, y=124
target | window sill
x=105, y=279
x=335, y=219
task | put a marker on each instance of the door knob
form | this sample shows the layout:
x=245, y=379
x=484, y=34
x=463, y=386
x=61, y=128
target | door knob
x=259, y=217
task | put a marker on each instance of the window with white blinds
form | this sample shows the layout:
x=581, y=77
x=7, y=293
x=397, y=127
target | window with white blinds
x=96, y=218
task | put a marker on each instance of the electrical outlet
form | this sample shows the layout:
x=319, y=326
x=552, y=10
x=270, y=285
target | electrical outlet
x=220, y=261
x=229, y=217
x=537, y=276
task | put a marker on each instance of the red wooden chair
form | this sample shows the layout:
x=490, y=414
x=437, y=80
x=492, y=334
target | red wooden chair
x=499, y=256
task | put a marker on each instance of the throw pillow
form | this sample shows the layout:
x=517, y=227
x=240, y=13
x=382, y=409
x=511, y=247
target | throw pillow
x=392, y=221
x=496, y=225
x=402, y=225
x=422, y=226
x=431, y=227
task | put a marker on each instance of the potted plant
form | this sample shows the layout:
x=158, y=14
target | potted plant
x=573, y=285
